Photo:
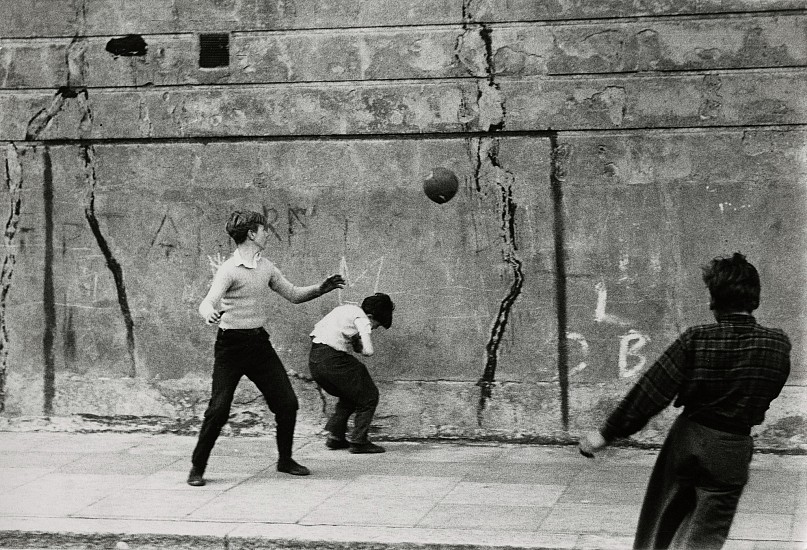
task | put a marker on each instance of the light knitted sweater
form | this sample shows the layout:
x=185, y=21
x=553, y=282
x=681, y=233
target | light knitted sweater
x=239, y=292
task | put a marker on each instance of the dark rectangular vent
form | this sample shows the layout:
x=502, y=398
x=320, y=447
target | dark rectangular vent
x=214, y=50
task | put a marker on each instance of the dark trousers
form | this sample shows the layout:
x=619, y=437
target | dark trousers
x=694, y=489
x=343, y=376
x=247, y=353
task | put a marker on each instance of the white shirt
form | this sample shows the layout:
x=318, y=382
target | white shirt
x=339, y=326
x=251, y=263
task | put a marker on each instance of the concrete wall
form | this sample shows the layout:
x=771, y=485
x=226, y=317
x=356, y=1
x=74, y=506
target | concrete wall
x=640, y=139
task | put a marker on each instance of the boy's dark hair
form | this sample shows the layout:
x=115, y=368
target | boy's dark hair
x=733, y=284
x=380, y=306
x=242, y=222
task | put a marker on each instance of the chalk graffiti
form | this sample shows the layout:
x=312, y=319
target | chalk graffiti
x=630, y=360
x=344, y=271
x=166, y=236
x=580, y=339
x=296, y=217
x=215, y=262
x=629, y=346
x=600, y=314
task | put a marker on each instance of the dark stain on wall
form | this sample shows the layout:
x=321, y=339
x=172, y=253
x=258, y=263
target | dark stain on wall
x=557, y=178
x=757, y=48
x=69, y=337
x=131, y=45
x=48, y=301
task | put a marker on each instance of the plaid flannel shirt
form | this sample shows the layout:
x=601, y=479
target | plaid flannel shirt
x=730, y=370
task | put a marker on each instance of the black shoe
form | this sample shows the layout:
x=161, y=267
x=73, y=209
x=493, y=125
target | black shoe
x=291, y=467
x=365, y=448
x=195, y=478
x=334, y=443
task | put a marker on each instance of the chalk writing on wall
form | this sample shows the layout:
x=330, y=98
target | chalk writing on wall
x=295, y=219
x=629, y=346
x=581, y=340
x=631, y=361
x=371, y=274
x=166, y=236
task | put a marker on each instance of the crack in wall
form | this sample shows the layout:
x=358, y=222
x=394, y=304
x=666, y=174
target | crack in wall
x=489, y=98
x=711, y=98
x=491, y=101
x=42, y=119
x=85, y=124
x=76, y=69
x=13, y=182
x=146, y=126
x=81, y=17
x=36, y=125
x=88, y=156
x=492, y=113
x=76, y=64
x=504, y=180
x=39, y=123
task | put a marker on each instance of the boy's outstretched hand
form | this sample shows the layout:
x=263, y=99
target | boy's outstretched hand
x=332, y=283
x=590, y=443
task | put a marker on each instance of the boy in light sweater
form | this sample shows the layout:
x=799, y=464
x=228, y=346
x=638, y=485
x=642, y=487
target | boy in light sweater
x=237, y=303
x=340, y=374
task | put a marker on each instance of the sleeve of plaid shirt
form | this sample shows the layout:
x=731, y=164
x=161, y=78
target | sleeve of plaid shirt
x=655, y=390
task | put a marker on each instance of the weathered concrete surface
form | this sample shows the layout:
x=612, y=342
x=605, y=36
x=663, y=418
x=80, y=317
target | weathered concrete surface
x=356, y=206
x=164, y=234
x=517, y=49
x=667, y=206
x=104, y=17
x=605, y=152
x=734, y=99
x=93, y=17
x=526, y=10
x=446, y=495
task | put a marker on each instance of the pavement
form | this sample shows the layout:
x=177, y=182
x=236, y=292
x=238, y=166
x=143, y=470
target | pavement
x=128, y=490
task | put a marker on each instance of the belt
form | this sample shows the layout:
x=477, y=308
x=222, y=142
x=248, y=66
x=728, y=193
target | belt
x=244, y=331
x=719, y=424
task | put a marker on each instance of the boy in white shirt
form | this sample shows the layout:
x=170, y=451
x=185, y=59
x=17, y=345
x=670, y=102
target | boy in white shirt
x=340, y=374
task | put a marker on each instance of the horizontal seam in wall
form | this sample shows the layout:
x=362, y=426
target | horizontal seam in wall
x=413, y=136
x=500, y=79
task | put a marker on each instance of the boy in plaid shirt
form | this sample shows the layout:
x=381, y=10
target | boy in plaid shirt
x=725, y=376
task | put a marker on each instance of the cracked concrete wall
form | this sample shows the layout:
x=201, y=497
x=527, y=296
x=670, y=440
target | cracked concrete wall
x=604, y=151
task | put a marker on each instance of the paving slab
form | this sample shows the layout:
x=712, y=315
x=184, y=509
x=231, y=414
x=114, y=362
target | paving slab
x=93, y=491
